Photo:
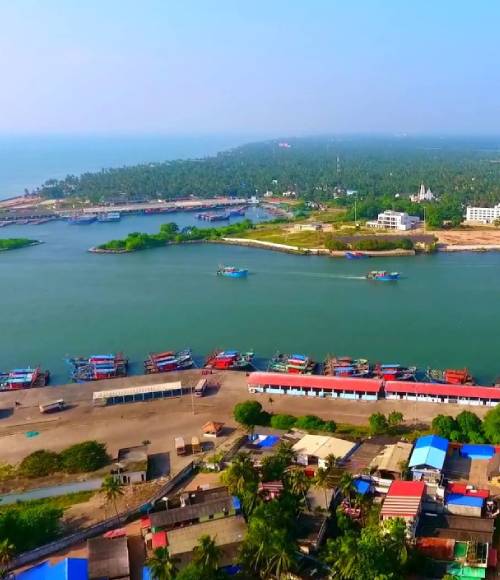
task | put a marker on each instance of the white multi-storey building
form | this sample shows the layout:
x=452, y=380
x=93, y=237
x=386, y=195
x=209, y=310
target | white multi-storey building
x=485, y=215
x=394, y=220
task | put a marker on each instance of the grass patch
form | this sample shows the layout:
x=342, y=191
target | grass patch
x=61, y=502
x=356, y=431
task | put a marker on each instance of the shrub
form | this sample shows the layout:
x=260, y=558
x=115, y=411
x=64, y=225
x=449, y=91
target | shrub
x=86, y=456
x=378, y=424
x=335, y=244
x=313, y=423
x=284, y=422
x=249, y=414
x=27, y=527
x=40, y=463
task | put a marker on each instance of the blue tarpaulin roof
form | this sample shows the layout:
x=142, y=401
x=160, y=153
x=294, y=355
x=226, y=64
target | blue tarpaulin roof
x=361, y=486
x=478, y=451
x=236, y=503
x=146, y=573
x=467, y=500
x=67, y=569
x=429, y=451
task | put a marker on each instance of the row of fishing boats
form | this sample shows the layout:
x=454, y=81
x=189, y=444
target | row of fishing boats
x=109, y=366
x=90, y=218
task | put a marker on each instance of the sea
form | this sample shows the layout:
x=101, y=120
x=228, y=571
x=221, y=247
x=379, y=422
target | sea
x=58, y=301
x=27, y=161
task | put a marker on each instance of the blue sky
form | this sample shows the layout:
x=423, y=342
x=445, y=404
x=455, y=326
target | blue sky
x=264, y=67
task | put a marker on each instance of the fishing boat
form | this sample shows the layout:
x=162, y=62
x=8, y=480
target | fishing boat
x=168, y=361
x=355, y=255
x=450, y=376
x=231, y=360
x=232, y=272
x=292, y=364
x=213, y=217
x=395, y=372
x=98, y=367
x=382, y=276
x=110, y=216
x=23, y=379
x=346, y=366
x=82, y=220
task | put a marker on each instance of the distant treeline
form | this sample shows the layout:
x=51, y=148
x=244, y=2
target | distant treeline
x=170, y=233
x=460, y=171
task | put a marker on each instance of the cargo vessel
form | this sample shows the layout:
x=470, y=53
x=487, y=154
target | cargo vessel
x=345, y=366
x=292, y=363
x=82, y=220
x=232, y=272
x=450, y=376
x=164, y=362
x=383, y=276
x=110, y=216
x=98, y=367
x=24, y=379
x=395, y=372
x=231, y=360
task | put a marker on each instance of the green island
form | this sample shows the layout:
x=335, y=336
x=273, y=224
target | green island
x=170, y=234
x=16, y=243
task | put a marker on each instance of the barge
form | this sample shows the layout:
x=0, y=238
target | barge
x=168, y=361
x=98, y=367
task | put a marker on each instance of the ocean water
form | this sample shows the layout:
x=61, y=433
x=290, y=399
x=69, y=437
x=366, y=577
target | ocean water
x=27, y=161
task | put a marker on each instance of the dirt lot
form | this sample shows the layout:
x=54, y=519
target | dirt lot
x=472, y=236
x=162, y=420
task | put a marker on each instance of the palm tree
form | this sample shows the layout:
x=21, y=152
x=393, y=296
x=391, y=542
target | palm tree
x=7, y=550
x=207, y=554
x=330, y=462
x=346, y=484
x=299, y=483
x=112, y=489
x=240, y=475
x=341, y=556
x=323, y=480
x=286, y=453
x=161, y=565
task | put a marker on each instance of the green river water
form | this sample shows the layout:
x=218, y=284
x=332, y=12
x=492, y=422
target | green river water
x=58, y=300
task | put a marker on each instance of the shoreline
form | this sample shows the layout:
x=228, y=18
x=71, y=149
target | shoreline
x=288, y=249
x=34, y=243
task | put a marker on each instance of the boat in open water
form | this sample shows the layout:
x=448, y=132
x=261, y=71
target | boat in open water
x=382, y=276
x=232, y=272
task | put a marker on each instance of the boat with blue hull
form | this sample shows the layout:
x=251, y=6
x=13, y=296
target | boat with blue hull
x=232, y=272
x=382, y=276
x=355, y=255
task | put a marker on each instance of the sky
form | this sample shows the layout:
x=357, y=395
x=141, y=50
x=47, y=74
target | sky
x=263, y=67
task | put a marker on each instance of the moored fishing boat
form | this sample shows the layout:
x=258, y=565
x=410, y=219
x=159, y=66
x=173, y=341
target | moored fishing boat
x=346, y=367
x=292, y=363
x=449, y=376
x=232, y=272
x=24, y=379
x=82, y=220
x=98, y=367
x=230, y=360
x=383, y=276
x=395, y=372
x=163, y=362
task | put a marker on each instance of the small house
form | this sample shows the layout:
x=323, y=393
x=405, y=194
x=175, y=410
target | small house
x=427, y=459
x=391, y=461
x=212, y=429
x=131, y=465
x=317, y=448
x=404, y=500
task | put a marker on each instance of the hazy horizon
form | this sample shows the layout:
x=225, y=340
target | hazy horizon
x=266, y=69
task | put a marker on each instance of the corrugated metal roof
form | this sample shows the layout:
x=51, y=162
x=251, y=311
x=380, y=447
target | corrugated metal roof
x=438, y=390
x=430, y=451
x=401, y=488
x=142, y=390
x=318, y=382
x=321, y=446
